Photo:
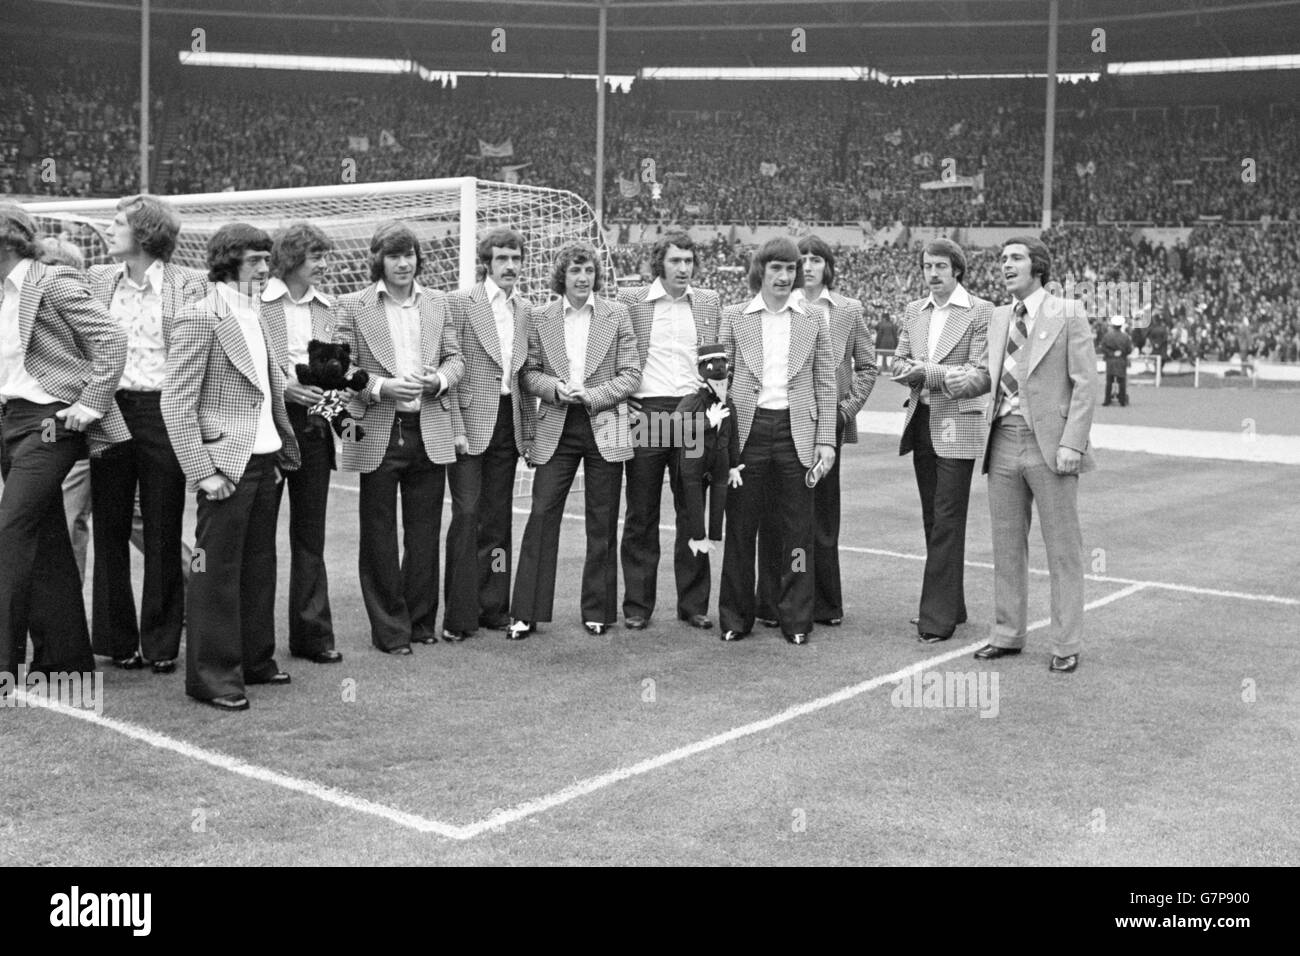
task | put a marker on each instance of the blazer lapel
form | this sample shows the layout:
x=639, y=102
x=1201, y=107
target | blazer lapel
x=431, y=321
x=1047, y=326
x=30, y=303
x=173, y=299
x=484, y=321
x=322, y=321
x=749, y=339
x=232, y=340
x=599, y=336
x=999, y=323
x=643, y=320
x=277, y=326
x=702, y=334
x=803, y=337
x=372, y=323
x=519, y=351
x=551, y=331
x=953, y=329
x=921, y=334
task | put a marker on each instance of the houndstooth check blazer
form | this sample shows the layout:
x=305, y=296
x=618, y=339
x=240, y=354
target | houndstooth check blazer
x=612, y=375
x=956, y=424
x=210, y=397
x=322, y=329
x=72, y=346
x=362, y=321
x=704, y=309
x=176, y=281
x=477, y=397
x=811, y=379
x=854, y=349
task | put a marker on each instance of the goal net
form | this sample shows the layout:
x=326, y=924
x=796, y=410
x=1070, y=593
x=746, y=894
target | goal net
x=446, y=214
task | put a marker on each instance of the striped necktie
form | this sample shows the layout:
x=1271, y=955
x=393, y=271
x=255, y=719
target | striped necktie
x=1016, y=338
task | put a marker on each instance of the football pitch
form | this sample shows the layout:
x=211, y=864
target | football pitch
x=1173, y=744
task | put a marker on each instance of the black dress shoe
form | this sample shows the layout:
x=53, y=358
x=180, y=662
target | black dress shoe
x=933, y=638
x=227, y=702
x=275, y=680
x=697, y=620
x=730, y=636
x=403, y=651
x=494, y=623
x=425, y=639
x=768, y=621
x=455, y=637
x=164, y=667
x=132, y=663
x=636, y=623
x=595, y=627
x=321, y=657
x=1064, y=665
x=990, y=652
x=518, y=630
x=830, y=621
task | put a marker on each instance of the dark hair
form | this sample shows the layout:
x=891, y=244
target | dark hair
x=227, y=247
x=679, y=238
x=1040, y=259
x=573, y=253
x=775, y=250
x=502, y=237
x=18, y=232
x=293, y=244
x=948, y=250
x=154, y=224
x=393, y=238
x=817, y=246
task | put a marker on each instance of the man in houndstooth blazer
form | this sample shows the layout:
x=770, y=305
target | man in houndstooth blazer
x=670, y=318
x=946, y=330
x=582, y=366
x=783, y=386
x=223, y=403
x=143, y=292
x=296, y=311
x=61, y=356
x=494, y=423
x=401, y=333
x=854, y=349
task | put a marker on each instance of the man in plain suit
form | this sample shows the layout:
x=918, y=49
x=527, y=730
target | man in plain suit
x=296, y=311
x=143, y=292
x=582, y=366
x=401, y=333
x=783, y=386
x=61, y=355
x=494, y=423
x=1040, y=349
x=854, y=351
x=946, y=330
x=223, y=404
x=670, y=318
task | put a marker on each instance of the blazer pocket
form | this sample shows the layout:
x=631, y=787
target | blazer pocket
x=971, y=406
x=812, y=413
x=466, y=398
x=210, y=433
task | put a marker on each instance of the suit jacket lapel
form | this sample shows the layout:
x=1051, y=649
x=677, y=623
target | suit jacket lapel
x=749, y=339
x=803, y=337
x=484, y=321
x=30, y=303
x=702, y=334
x=173, y=299
x=519, y=351
x=643, y=320
x=430, y=331
x=921, y=334
x=232, y=339
x=954, y=328
x=599, y=336
x=551, y=331
x=1047, y=326
x=999, y=325
x=277, y=325
x=372, y=322
x=322, y=321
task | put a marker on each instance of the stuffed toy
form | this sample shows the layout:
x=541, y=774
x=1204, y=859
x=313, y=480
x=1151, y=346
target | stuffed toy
x=710, y=450
x=329, y=367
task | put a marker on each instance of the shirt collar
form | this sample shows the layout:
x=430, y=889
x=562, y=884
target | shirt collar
x=1034, y=301
x=153, y=277
x=492, y=290
x=960, y=298
x=657, y=291
x=591, y=302
x=18, y=274
x=276, y=288
x=236, y=299
x=794, y=303
x=417, y=291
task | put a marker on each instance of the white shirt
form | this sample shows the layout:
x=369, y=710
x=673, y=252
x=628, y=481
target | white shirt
x=15, y=380
x=670, y=365
x=577, y=327
x=138, y=309
x=297, y=316
x=504, y=314
x=774, y=388
x=404, y=327
x=1033, y=302
x=246, y=311
x=938, y=319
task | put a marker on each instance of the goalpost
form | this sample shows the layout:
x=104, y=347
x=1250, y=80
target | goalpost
x=446, y=214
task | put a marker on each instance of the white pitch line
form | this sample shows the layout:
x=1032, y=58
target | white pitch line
x=584, y=787
x=233, y=764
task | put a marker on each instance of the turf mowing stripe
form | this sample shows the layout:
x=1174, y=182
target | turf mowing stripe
x=233, y=764
x=584, y=787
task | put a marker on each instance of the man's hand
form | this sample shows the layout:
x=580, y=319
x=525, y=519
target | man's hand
x=77, y=417
x=401, y=390
x=299, y=394
x=1067, y=461
x=825, y=456
x=431, y=381
x=956, y=381
x=461, y=444
x=911, y=373
x=634, y=405
x=733, y=476
x=217, y=487
x=569, y=394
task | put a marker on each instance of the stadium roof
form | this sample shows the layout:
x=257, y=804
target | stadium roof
x=898, y=37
